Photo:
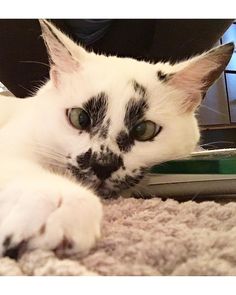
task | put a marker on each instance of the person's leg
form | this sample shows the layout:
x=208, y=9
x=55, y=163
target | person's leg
x=21, y=54
x=23, y=57
x=178, y=39
x=127, y=38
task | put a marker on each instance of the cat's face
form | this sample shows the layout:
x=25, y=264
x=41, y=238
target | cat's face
x=115, y=117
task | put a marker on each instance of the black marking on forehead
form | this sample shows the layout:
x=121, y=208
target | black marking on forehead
x=135, y=111
x=163, y=76
x=96, y=107
x=104, y=129
x=124, y=141
x=140, y=89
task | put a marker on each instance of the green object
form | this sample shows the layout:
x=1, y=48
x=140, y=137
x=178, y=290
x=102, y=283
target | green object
x=214, y=164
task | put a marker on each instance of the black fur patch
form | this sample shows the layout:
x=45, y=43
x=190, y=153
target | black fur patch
x=83, y=160
x=135, y=111
x=96, y=107
x=140, y=89
x=106, y=157
x=163, y=77
x=102, y=164
x=119, y=185
x=105, y=165
x=80, y=174
x=104, y=129
x=13, y=251
x=129, y=180
x=124, y=141
x=6, y=243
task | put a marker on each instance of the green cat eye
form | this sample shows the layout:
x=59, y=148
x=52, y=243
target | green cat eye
x=145, y=130
x=79, y=118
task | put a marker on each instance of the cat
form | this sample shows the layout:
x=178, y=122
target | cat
x=91, y=132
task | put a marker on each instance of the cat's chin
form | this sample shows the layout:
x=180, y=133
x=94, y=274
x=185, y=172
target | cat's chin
x=106, y=193
x=109, y=188
x=98, y=186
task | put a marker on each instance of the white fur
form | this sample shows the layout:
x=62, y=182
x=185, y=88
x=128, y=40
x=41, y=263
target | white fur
x=36, y=137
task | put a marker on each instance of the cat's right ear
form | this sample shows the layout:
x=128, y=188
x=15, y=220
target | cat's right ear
x=196, y=75
x=61, y=51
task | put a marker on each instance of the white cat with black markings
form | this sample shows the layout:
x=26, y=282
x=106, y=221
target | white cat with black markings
x=91, y=131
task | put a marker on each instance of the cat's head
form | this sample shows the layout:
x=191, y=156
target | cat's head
x=114, y=117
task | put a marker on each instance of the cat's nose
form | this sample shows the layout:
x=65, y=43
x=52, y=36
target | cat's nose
x=104, y=164
x=104, y=171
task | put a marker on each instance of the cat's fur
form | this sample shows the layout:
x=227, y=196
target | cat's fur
x=47, y=185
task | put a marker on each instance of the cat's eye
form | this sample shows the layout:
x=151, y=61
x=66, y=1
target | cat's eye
x=79, y=118
x=145, y=130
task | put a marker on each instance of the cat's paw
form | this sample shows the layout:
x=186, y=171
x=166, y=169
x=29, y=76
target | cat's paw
x=68, y=223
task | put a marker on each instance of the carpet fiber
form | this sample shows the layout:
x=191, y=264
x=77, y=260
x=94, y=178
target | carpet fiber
x=148, y=237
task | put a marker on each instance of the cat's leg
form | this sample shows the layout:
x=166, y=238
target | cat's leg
x=39, y=209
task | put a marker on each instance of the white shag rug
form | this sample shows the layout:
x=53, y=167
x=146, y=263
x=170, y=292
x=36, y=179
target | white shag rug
x=148, y=237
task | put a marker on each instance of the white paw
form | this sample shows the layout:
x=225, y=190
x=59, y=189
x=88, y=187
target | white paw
x=67, y=222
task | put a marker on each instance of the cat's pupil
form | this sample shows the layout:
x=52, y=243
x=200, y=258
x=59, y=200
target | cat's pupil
x=140, y=129
x=84, y=119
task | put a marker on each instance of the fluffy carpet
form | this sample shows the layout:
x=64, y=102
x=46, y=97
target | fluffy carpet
x=148, y=237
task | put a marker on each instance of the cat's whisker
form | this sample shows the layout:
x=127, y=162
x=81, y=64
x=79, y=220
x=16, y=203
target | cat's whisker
x=54, y=163
x=39, y=85
x=195, y=196
x=46, y=148
x=51, y=157
x=36, y=143
x=211, y=144
x=137, y=190
x=213, y=110
x=30, y=92
x=181, y=157
x=49, y=153
x=34, y=62
x=140, y=188
x=46, y=152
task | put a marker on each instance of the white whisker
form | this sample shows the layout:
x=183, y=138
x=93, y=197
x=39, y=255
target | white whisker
x=53, y=163
x=213, y=110
x=214, y=142
x=34, y=62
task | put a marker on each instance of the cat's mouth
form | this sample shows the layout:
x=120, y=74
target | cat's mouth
x=109, y=188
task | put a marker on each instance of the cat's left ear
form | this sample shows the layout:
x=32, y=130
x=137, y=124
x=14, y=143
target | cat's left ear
x=61, y=50
x=196, y=75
